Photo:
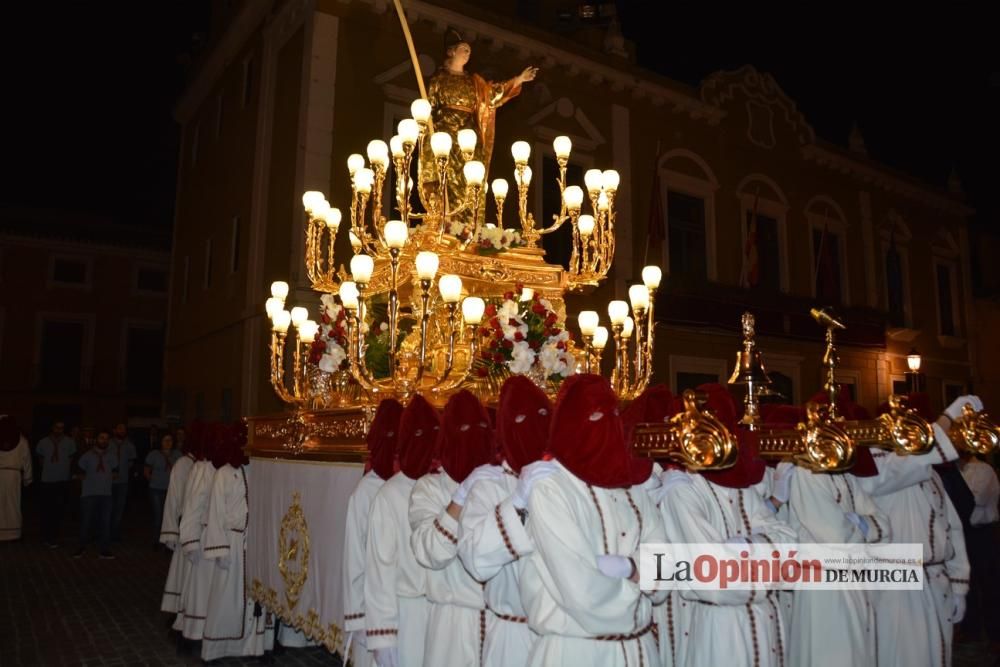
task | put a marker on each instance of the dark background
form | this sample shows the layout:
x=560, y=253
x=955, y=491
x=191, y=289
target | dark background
x=91, y=87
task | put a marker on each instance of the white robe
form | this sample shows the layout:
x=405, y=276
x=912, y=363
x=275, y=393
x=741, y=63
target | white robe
x=585, y=618
x=15, y=472
x=456, y=629
x=170, y=533
x=737, y=628
x=231, y=629
x=913, y=626
x=833, y=628
x=198, y=583
x=355, y=539
x=396, y=608
x=492, y=545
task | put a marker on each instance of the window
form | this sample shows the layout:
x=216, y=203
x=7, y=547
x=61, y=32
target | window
x=61, y=358
x=766, y=244
x=194, y=144
x=70, y=271
x=951, y=391
x=686, y=237
x=218, y=116
x=828, y=280
x=895, y=297
x=946, y=299
x=694, y=380
x=143, y=360
x=150, y=280
x=208, y=264
x=226, y=410
x=559, y=244
x=247, y=82
x=184, y=280
x=234, y=252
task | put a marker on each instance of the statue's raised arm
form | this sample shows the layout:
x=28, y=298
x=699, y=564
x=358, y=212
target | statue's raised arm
x=462, y=100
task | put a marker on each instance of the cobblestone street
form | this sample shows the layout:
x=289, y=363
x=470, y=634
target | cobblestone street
x=56, y=610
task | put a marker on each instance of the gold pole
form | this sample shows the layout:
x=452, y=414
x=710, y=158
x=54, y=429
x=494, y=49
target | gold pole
x=409, y=45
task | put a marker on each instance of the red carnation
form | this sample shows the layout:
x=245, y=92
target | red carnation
x=550, y=319
x=508, y=296
x=498, y=358
x=508, y=344
x=325, y=318
x=519, y=286
x=538, y=309
x=518, y=336
x=555, y=331
x=491, y=310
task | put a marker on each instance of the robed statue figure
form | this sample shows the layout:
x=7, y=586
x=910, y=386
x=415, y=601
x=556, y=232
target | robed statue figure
x=462, y=100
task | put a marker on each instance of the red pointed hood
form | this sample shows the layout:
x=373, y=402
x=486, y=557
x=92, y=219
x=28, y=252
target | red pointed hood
x=383, y=437
x=588, y=438
x=419, y=428
x=749, y=467
x=523, y=418
x=655, y=404
x=467, y=439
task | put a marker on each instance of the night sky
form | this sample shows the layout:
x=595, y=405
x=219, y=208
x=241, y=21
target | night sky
x=89, y=115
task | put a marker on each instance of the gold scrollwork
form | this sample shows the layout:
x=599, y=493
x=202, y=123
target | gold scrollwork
x=293, y=551
x=330, y=636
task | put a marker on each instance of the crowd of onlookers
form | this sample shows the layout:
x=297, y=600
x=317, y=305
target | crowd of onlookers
x=105, y=468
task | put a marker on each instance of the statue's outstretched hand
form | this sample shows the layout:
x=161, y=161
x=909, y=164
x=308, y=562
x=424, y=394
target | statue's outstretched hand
x=528, y=74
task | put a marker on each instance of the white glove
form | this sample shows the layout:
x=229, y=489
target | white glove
x=193, y=556
x=225, y=561
x=782, y=481
x=954, y=411
x=387, y=657
x=485, y=471
x=614, y=566
x=530, y=474
x=859, y=522
x=957, y=608
x=672, y=477
x=359, y=639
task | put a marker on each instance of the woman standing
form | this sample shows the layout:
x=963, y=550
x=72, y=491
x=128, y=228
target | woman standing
x=157, y=471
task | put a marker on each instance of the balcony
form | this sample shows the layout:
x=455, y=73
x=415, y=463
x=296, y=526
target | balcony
x=716, y=306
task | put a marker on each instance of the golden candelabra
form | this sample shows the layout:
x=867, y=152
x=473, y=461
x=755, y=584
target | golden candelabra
x=434, y=333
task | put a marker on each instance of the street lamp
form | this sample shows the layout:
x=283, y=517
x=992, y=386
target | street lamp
x=913, y=363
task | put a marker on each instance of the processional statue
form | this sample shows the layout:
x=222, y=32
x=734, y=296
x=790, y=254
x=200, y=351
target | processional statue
x=462, y=100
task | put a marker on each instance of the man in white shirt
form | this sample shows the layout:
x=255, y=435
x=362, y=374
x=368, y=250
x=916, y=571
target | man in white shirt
x=980, y=542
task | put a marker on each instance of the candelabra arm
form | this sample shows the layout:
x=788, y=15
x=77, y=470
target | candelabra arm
x=355, y=354
x=278, y=367
x=425, y=316
x=393, y=309
x=453, y=331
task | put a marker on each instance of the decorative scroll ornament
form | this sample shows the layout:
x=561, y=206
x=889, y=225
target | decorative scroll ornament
x=293, y=551
x=974, y=432
x=694, y=438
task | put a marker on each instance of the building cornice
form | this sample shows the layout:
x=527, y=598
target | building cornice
x=879, y=176
x=222, y=54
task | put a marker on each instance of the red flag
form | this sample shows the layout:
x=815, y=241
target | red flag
x=750, y=273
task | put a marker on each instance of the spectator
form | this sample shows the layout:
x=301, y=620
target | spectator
x=98, y=466
x=124, y=454
x=15, y=471
x=159, y=462
x=55, y=452
x=980, y=543
x=179, y=435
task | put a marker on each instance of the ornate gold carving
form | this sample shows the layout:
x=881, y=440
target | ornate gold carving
x=974, y=432
x=293, y=551
x=694, y=438
x=331, y=636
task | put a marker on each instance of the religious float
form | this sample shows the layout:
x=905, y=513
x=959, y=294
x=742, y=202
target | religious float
x=437, y=300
